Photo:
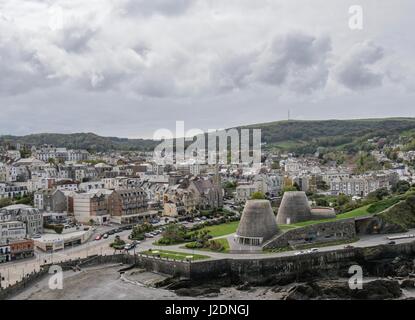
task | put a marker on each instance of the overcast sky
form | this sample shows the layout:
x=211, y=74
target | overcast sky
x=129, y=67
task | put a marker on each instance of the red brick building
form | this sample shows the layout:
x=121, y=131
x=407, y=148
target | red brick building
x=21, y=249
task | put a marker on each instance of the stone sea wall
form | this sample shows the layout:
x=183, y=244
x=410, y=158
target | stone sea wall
x=264, y=270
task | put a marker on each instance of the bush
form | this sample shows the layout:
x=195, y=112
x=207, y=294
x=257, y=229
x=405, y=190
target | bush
x=216, y=246
x=139, y=230
x=173, y=234
x=118, y=244
x=379, y=194
x=257, y=196
x=194, y=245
x=401, y=187
x=165, y=241
x=382, y=205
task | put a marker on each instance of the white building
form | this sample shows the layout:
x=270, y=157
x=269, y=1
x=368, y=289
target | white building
x=92, y=185
x=11, y=230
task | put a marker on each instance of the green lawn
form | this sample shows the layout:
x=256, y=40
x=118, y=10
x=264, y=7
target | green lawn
x=175, y=255
x=222, y=229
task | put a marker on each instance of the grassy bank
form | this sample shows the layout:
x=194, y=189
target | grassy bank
x=175, y=255
x=313, y=245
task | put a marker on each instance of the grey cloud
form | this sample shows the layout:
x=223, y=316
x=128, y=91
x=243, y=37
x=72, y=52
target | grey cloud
x=357, y=69
x=74, y=38
x=164, y=7
x=20, y=68
x=148, y=63
x=297, y=60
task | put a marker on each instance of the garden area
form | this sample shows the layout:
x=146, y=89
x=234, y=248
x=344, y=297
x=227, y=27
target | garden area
x=217, y=245
x=118, y=244
x=196, y=239
x=139, y=230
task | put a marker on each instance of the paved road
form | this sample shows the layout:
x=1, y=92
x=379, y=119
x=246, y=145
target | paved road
x=14, y=271
x=365, y=241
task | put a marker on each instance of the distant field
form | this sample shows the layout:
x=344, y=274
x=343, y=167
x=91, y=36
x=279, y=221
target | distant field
x=175, y=255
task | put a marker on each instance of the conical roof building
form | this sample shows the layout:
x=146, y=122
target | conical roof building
x=257, y=223
x=294, y=208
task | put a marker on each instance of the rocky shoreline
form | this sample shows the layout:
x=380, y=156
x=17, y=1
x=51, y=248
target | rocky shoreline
x=390, y=278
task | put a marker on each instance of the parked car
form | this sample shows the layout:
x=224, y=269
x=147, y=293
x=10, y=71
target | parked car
x=105, y=236
x=36, y=236
x=299, y=253
x=148, y=235
x=391, y=242
x=98, y=237
x=313, y=250
x=130, y=246
x=348, y=247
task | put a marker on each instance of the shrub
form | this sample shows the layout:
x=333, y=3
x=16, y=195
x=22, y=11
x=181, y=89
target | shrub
x=194, y=245
x=382, y=205
x=257, y=196
x=216, y=246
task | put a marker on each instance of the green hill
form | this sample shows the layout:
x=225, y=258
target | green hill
x=293, y=135
x=351, y=135
x=88, y=141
